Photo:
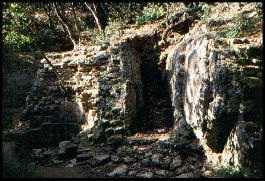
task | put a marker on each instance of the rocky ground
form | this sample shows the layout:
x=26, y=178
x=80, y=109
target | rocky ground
x=138, y=155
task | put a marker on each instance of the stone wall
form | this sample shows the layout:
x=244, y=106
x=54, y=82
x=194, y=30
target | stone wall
x=92, y=79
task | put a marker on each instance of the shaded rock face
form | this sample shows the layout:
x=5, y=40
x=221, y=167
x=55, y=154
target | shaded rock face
x=244, y=150
x=200, y=91
x=244, y=146
x=147, y=98
x=208, y=95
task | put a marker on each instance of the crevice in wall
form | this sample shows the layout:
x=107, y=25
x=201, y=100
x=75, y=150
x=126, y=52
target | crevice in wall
x=149, y=87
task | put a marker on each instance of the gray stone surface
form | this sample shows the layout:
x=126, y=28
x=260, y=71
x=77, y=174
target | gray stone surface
x=101, y=159
x=155, y=160
x=177, y=162
x=83, y=157
x=161, y=173
x=145, y=175
x=146, y=162
x=118, y=171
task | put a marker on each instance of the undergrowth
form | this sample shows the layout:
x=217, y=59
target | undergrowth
x=228, y=172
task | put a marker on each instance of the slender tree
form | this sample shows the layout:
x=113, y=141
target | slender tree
x=76, y=23
x=63, y=20
x=95, y=12
x=92, y=9
x=47, y=8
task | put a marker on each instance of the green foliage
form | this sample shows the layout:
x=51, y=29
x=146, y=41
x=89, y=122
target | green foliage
x=232, y=31
x=258, y=7
x=150, y=13
x=250, y=25
x=228, y=172
x=83, y=26
x=15, y=27
x=26, y=24
x=113, y=29
x=244, y=25
x=202, y=14
x=13, y=168
x=123, y=12
x=92, y=37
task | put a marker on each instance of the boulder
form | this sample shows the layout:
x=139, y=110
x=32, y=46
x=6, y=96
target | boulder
x=118, y=171
x=142, y=141
x=165, y=163
x=161, y=173
x=145, y=175
x=48, y=153
x=177, y=162
x=83, y=150
x=83, y=157
x=155, y=160
x=146, y=162
x=67, y=150
x=128, y=160
x=115, y=140
x=194, y=174
x=100, y=160
x=132, y=173
x=116, y=159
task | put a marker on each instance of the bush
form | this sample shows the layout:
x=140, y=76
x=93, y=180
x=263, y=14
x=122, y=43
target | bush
x=250, y=25
x=228, y=172
x=150, y=13
x=15, y=23
x=232, y=32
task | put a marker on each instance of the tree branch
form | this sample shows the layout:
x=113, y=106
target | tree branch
x=76, y=22
x=54, y=70
x=67, y=27
x=94, y=13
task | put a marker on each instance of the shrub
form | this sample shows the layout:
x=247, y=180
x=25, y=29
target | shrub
x=113, y=29
x=232, y=31
x=228, y=172
x=14, y=26
x=150, y=13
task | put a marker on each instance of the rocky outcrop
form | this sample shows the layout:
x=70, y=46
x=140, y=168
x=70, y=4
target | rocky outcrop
x=207, y=93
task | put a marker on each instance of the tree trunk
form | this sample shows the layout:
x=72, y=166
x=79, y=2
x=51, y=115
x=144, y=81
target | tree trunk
x=66, y=26
x=76, y=23
x=48, y=12
x=94, y=13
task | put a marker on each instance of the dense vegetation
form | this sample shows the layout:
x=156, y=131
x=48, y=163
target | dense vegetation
x=29, y=26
